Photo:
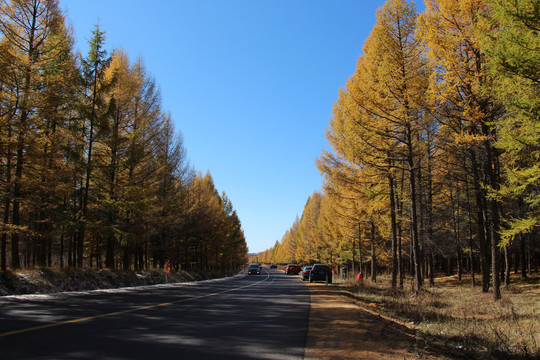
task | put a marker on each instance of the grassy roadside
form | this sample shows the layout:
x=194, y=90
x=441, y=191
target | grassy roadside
x=453, y=315
x=51, y=280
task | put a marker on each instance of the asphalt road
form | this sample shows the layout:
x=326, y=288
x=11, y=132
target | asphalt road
x=246, y=317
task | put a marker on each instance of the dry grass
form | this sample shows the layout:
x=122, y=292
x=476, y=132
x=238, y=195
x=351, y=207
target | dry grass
x=51, y=280
x=459, y=317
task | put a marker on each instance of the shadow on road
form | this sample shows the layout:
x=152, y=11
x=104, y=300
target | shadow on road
x=252, y=317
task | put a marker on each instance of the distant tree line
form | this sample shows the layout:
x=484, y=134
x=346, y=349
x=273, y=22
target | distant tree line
x=92, y=172
x=435, y=160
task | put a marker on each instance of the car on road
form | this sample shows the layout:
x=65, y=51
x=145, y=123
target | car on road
x=320, y=272
x=273, y=266
x=304, y=274
x=292, y=269
x=254, y=269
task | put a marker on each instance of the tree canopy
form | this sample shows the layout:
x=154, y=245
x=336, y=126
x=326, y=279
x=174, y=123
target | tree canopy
x=433, y=164
x=92, y=170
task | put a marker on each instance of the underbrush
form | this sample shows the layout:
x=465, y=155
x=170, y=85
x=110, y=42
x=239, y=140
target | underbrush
x=453, y=315
x=49, y=280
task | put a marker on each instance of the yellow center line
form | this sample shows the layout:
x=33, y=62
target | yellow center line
x=73, y=321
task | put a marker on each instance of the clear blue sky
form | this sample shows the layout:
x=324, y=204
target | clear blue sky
x=249, y=83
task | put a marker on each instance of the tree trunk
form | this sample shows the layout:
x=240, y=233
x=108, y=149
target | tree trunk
x=421, y=216
x=430, y=242
x=455, y=220
x=417, y=261
x=61, y=255
x=523, y=257
x=360, y=256
x=492, y=170
x=507, y=267
x=353, y=256
x=7, y=203
x=399, y=201
x=109, y=252
x=15, y=218
x=394, y=232
x=3, y=265
x=373, y=254
x=431, y=268
x=126, y=258
x=482, y=223
x=471, y=239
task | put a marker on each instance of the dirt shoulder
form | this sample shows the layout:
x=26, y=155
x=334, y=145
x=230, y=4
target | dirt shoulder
x=339, y=328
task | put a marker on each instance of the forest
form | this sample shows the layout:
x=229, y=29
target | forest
x=434, y=150
x=92, y=172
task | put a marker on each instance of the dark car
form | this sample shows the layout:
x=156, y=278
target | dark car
x=273, y=266
x=320, y=272
x=304, y=274
x=292, y=269
x=254, y=269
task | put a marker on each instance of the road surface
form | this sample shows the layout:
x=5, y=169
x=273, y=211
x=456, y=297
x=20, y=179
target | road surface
x=246, y=317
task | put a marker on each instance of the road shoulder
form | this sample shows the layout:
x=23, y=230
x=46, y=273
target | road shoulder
x=340, y=329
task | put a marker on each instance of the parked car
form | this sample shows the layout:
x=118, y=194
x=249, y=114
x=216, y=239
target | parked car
x=320, y=272
x=273, y=266
x=292, y=269
x=254, y=269
x=304, y=274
